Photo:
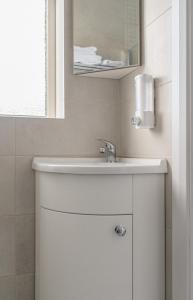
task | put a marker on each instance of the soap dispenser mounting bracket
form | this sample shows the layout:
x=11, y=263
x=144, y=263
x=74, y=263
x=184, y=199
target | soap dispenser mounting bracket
x=144, y=116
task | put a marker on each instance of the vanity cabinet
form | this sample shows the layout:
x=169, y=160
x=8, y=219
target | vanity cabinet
x=82, y=257
x=100, y=229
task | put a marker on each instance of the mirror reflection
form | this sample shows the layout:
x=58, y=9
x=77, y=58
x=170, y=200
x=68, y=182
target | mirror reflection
x=105, y=34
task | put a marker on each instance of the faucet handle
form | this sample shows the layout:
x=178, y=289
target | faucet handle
x=102, y=150
x=107, y=143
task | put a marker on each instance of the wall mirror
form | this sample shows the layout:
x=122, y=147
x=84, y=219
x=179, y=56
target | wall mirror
x=106, y=37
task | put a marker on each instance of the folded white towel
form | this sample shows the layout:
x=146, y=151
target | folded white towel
x=86, y=56
x=85, y=50
x=87, y=59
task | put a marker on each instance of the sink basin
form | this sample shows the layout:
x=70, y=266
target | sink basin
x=99, y=166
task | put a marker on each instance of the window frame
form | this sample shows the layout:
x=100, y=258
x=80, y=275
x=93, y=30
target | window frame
x=54, y=63
x=55, y=56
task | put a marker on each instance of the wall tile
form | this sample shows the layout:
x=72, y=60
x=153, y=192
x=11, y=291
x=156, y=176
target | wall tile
x=7, y=249
x=25, y=289
x=158, y=47
x=7, y=185
x=25, y=190
x=7, y=288
x=25, y=244
x=83, y=89
x=153, y=9
x=7, y=140
x=101, y=120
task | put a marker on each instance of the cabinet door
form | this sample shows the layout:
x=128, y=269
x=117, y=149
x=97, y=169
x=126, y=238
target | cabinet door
x=83, y=258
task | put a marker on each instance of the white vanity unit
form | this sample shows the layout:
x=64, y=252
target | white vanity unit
x=100, y=229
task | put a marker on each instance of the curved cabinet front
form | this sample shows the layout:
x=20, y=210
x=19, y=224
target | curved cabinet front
x=85, y=194
x=85, y=257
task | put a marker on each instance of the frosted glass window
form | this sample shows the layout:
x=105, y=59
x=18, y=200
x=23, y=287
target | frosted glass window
x=23, y=78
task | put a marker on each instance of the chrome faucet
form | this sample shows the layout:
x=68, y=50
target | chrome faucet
x=109, y=150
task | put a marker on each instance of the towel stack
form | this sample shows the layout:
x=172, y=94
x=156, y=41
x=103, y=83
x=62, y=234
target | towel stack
x=86, y=56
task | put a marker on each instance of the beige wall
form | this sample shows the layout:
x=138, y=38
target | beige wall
x=156, y=142
x=94, y=109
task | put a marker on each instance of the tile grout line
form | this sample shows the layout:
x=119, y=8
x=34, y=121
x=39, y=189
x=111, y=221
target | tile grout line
x=15, y=292
x=15, y=136
x=15, y=275
x=164, y=83
x=154, y=20
x=17, y=215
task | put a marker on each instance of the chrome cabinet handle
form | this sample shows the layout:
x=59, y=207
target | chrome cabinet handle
x=120, y=230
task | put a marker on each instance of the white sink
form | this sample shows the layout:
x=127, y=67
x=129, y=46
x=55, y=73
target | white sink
x=99, y=166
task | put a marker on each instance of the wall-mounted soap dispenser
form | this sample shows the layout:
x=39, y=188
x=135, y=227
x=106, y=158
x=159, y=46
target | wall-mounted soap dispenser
x=144, y=91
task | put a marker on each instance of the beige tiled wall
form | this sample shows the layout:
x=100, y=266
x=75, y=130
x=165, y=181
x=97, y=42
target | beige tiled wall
x=94, y=108
x=157, y=142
